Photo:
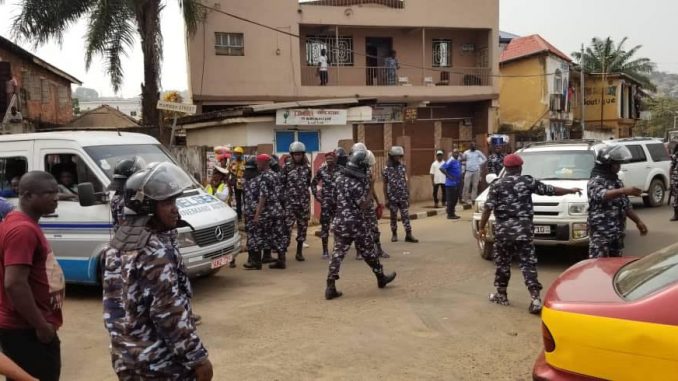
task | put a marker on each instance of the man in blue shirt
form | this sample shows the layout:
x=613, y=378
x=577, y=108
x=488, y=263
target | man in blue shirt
x=452, y=171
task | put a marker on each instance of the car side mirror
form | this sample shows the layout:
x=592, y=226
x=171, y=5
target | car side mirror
x=86, y=194
x=490, y=177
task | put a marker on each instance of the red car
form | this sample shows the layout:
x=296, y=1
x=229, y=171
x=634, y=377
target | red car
x=612, y=319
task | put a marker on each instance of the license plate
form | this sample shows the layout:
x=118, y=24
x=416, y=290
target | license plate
x=221, y=261
x=542, y=229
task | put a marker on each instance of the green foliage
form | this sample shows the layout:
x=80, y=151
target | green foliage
x=660, y=117
x=604, y=56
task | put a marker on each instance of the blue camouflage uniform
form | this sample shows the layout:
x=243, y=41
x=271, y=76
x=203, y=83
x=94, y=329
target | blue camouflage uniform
x=397, y=194
x=117, y=209
x=256, y=237
x=510, y=198
x=607, y=218
x=674, y=179
x=495, y=163
x=148, y=313
x=326, y=176
x=270, y=186
x=297, y=197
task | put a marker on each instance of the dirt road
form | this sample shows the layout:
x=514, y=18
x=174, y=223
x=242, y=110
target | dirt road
x=433, y=323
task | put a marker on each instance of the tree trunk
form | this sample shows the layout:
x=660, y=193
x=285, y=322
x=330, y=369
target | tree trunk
x=148, y=19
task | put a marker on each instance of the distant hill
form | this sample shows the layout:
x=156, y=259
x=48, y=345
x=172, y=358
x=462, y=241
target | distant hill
x=667, y=83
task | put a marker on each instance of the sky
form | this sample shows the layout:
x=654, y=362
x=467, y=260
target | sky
x=565, y=24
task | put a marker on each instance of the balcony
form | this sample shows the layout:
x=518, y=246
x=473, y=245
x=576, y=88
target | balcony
x=348, y=3
x=383, y=76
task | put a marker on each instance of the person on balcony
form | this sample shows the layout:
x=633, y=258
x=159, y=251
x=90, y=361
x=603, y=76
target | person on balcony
x=392, y=67
x=322, y=67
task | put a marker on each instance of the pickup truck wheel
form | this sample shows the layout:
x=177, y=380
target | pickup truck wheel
x=485, y=249
x=655, y=195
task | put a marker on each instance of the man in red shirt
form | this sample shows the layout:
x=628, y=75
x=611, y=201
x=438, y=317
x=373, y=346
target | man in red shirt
x=33, y=283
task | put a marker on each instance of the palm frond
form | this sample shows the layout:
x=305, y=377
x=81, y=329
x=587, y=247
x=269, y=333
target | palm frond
x=194, y=13
x=42, y=20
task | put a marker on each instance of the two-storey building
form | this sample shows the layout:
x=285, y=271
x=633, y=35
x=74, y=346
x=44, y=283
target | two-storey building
x=424, y=69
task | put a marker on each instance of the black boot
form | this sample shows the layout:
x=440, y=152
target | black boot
x=267, y=258
x=254, y=262
x=394, y=236
x=280, y=264
x=380, y=251
x=326, y=253
x=536, y=305
x=383, y=279
x=331, y=290
x=409, y=238
x=300, y=256
x=675, y=214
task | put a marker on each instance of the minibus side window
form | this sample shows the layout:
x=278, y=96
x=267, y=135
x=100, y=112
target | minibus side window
x=11, y=170
x=70, y=170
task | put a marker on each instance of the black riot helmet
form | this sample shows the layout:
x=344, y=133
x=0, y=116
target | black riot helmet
x=613, y=154
x=123, y=170
x=357, y=165
x=250, y=169
x=342, y=158
x=275, y=163
x=152, y=184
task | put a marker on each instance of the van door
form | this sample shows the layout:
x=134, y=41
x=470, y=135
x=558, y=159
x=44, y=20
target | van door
x=15, y=160
x=635, y=172
x=77, y=234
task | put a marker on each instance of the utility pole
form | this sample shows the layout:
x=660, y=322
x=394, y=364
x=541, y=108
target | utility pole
x=583, y=103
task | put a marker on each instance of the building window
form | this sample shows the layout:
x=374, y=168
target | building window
x=311, y=140
x=442, y=53
x=229, y=44
x=558, y=82
x=62, y=93
x=339, y=50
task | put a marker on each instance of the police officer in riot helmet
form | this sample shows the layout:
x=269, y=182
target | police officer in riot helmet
x=342, y=158
x=123, y=170
x=152, y=337
x=297, y=182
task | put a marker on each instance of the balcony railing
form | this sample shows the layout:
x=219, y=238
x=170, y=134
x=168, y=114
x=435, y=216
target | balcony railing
x=382, y=76
x=348, y=3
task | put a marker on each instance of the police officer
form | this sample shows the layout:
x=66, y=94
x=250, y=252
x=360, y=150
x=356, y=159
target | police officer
x=510, y=197
x=495, y=162
x=674, y=182
x=146, y=291
x=325, y=196
x=123, y=170
x=371, y=212
x=342, y=158
x=278, y=238
x=297, y=180
x=236, y=181
x=397, y=194
x=353, y=198
x=609, y=203
x=254, y=225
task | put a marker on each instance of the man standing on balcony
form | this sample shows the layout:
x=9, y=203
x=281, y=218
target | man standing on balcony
x=322, y=67
x=474, y=161
x=392, y=67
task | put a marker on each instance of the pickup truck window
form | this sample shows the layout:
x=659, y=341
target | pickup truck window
x=658, y=152
x=637, y=153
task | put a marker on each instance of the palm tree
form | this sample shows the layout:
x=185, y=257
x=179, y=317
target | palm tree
x=604, y=57
x=112, y=28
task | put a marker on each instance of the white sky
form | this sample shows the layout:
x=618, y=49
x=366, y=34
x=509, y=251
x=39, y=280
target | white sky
x=565, y=24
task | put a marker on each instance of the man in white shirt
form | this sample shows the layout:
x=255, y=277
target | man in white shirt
x=474, y=160
x=322, y=67
x=438, y=178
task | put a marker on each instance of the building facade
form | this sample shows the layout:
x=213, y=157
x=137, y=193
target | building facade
x=43, y=92
x=442, y=91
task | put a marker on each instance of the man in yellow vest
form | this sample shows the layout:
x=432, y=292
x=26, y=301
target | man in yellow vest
x=217, y=186
x=236, y=180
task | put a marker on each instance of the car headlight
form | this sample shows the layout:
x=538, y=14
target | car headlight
x=185, y=239
x=479, y=206
x=578, y=208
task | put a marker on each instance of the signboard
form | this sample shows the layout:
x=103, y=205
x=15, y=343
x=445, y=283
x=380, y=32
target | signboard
x=185, y=108
x=311, y=117
x=387, y=114
x=411, y=114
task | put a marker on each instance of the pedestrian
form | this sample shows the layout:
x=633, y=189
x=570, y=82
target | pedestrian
x=252, y=212
x=674, y=182
x=323, y=67
x=397, y=193
x=325, y=196
x=297, y=181
x=146, y=291
x=353, y=199
x=279, y=239
x=609, y=204
x=451, y=169
x=123, y=170
x=474, y=160
x=32, y=298
x=375, y=210
x=438, y=178
x=495, y=162
x=510, y=198
x=236, y=170
x=392, y=67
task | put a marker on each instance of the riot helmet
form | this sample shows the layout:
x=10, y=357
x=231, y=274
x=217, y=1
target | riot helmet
x=357, y=165
x=152, y=184
x=613, y=154
x=123, y=170
x=297, y=147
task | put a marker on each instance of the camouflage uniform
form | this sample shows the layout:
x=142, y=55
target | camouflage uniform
x=148, y=313
x=607, y=219
x=256, y=237
x=349, y=225
x=371, y=212
x=495, y=163
x=296, y=183
x=398, y=196
x=273, y=214
x=674, y=179
x=511, y=200
x=117, y=209
x=326, y=176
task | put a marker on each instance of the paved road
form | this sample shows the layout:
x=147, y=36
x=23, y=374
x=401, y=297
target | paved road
x=434, y=323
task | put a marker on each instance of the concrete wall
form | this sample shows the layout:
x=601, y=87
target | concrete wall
x=523, y=100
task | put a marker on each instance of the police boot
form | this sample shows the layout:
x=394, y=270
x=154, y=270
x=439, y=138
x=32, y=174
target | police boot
x=326, y=254
x=381, y=252
x=394, y=236
x=410, y=238
x=300, y=256
x=500, y=297
x=331, y=290
x=536, y=305
x=675, y=214
x=378, y=269
x=255, y=260
x=267, y=258
x=279, y=264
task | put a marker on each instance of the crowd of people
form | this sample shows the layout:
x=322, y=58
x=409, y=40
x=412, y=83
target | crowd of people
x=146, y=291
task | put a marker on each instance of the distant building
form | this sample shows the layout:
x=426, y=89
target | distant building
x=103, y=118
x=130, y=107
x=535, y=92
x=43, y=92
